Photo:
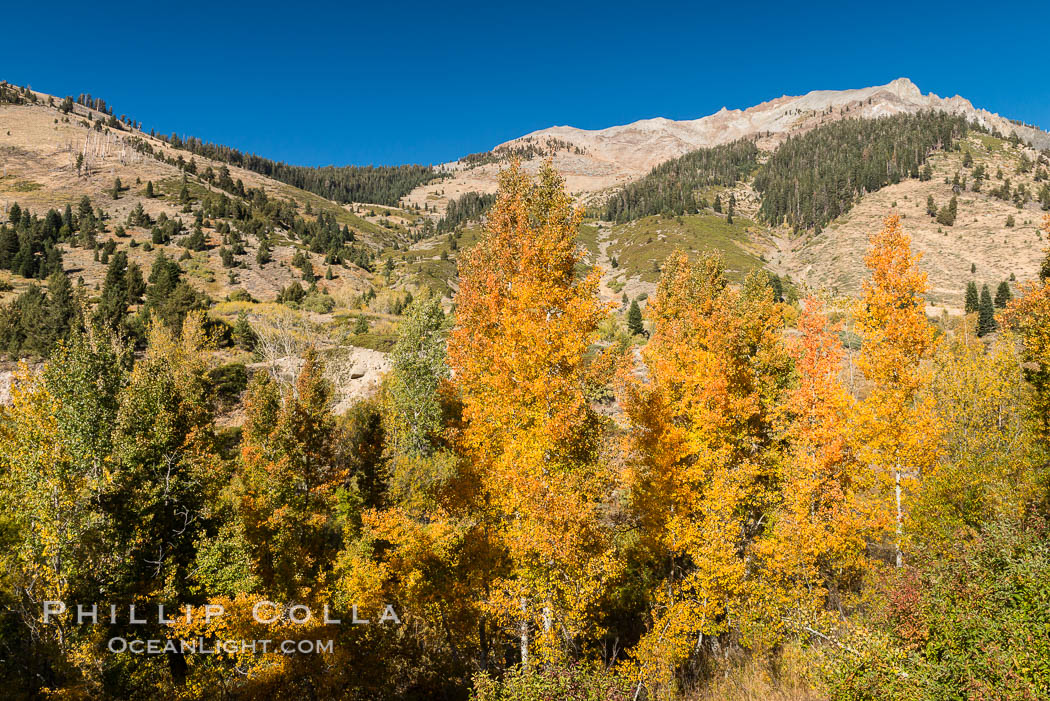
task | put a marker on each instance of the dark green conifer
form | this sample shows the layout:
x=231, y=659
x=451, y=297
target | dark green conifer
x=973, y=301
x=986, y=314
x=634, y=320
x=1003, y=295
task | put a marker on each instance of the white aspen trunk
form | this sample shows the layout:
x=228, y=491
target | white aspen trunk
x=900, y=516
x=524, y=634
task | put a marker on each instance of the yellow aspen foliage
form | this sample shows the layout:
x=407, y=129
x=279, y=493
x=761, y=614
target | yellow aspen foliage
x=1029, y=315
x=168, y=474
x=50, y=500
x=704, y=449
x=56, y=464
x=246, y=641
x=525, y=319
x=987, y=470
x=895, y=427
x=420, y=546
x=814, y=546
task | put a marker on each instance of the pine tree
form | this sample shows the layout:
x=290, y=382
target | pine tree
x=777, y=286
x=149, y=189
x=61, y=306
x=634, y=320
x=946, y=215
x=195, y=241
x=113, y=304
x=986, y=314
x=973, y=300
x=1003, y=295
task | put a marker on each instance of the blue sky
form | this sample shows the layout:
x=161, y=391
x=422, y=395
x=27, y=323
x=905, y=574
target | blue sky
x=395, y=82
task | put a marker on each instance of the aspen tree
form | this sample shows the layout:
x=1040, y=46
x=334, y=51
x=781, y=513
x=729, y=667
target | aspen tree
x=524, y=321
x=896, y=427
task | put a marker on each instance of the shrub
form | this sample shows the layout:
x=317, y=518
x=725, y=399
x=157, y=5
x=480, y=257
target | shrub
x=971, y=625
x=574, y=682
x=228, y=381
x=318, y=302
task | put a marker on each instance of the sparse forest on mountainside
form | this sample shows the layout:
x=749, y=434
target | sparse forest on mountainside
x=674, y=187
x=813, y=178
x=376, y=184
x=465, y=208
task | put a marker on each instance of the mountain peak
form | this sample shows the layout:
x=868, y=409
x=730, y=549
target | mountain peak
x=903, y=87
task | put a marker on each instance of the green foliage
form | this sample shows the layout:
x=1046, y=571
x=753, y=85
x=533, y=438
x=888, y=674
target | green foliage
x=413, y=407
x=168, y=296
x=319, y=302
x=946, y=216
x=467, y=207
x=641, y=246
x=113, y=304
x=291, y=295
x=166, y=468
x=986, y=313
x=634, y=320
x=195, y=241
x=1003, y=295
x=34, y=321
x=577, y=682
x=972, y=625
x=973, y=299
x=672, y=186
x=817, y=176
x=228, y=382
x=291, y=466
x=28, y=244
x=374, y=184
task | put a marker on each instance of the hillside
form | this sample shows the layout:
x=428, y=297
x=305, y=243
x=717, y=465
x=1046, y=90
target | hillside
x=649, y=187
x=594, y=160
x=238, y=238
x=626, y=175
x=998, y=238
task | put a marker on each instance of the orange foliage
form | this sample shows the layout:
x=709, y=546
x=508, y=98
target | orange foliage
x=816, y=540
x=895, y=427
x=705, y=450
x=524, y=322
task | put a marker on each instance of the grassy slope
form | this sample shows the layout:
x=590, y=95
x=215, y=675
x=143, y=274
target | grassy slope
x=641, y=246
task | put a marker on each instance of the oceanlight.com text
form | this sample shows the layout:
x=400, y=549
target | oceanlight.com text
x=200, y=646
